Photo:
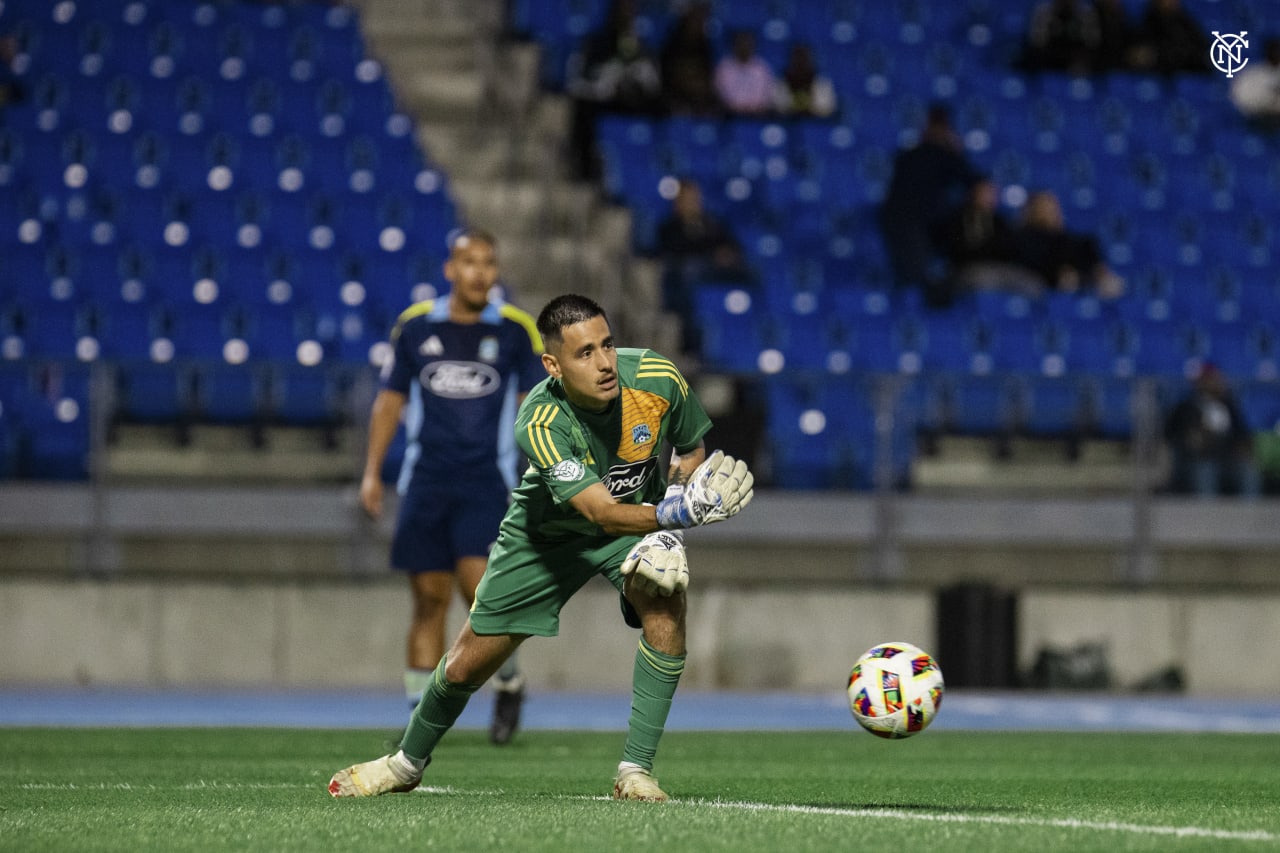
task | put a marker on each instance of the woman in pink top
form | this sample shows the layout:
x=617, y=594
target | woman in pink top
x=744, y=81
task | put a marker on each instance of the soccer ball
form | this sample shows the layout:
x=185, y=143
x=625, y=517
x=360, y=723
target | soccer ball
x=895, y=690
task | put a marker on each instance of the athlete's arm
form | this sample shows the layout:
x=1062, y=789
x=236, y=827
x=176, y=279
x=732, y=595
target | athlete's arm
x=599, y=507
x=383, y=422
x=616, y=519
x=684, y=464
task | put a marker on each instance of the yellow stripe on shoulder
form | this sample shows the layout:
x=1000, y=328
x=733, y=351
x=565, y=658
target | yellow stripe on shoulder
x=526, y=320
x=656, y=367
x=417, y=309
x=544, y=449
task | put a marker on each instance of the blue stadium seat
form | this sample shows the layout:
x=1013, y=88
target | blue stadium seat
x=954, y=343
x=1110, y=406
x=227, y=393
x=757, y=147
x=1166, y=348
x=631, y=162
x=1056, y=406
x=1260, y=404
x=155, y=392
x=51, y=329
x=812, y=341
x=807, y=449
x=733, y=331
x=126, y=330
x=975, y=404
x=1245, y=351
x=694, y=147
x=55, y=418
x=305, y=395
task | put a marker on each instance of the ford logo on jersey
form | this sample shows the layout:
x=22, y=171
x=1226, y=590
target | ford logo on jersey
x=460, y=380
x=630, y=477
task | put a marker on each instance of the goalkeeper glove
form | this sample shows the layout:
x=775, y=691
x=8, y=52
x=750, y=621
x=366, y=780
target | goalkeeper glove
x=658, y=563
x=719, y=488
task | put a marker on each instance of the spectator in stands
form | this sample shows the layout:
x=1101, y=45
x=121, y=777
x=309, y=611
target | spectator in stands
x=928, y=180
x=1063, y=36
x=11, y=89
x=1256, y=90
x=1064, y=260
x=744, y=81
x=695, y=246
x=1169, y=40
x=1115, y=34
x=613, y=72
x=980, y=245
x=1211, y=444
x=688, y=65
x=801, y=89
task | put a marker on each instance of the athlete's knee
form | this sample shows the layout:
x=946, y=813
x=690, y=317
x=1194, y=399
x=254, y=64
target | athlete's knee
x=667, y=607
x=430, y=601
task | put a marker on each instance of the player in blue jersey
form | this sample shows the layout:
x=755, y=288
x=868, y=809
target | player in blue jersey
x=459, y=368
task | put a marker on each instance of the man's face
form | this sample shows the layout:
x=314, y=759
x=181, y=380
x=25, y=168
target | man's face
x=688, y=201
x=586, y=362
x=472, y=269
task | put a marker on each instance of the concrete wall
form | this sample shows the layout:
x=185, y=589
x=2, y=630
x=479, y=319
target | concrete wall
x=256, y=587
x=350, y=633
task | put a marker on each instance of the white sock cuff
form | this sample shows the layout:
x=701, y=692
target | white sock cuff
x=411, y=766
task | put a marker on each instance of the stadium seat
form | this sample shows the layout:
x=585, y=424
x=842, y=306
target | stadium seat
x=1056, y=406
x=806, y=448
x=303, y=395
x=231, y=393
x=733, y=331
x=1110, y=406
x=1260, y=404
x=694, y=148
x=155, y=392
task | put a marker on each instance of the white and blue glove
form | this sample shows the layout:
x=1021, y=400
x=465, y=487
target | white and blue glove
x=719, y=488
x=659, y=563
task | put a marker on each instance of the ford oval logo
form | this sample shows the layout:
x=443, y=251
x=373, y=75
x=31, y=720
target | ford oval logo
x=460, y=380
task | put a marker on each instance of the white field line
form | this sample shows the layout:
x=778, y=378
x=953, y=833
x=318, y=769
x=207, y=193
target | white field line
x=996, y=820
x=864, y=813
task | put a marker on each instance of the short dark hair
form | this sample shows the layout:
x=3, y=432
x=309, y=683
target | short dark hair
x=458, y=237
x=564, y=311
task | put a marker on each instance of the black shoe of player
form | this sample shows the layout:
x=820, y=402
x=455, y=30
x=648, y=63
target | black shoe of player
x=506, y=715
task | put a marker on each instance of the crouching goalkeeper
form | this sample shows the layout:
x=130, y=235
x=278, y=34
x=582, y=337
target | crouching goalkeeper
x=591, y=502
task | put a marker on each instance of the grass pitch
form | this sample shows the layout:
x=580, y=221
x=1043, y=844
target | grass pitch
x=264, y=789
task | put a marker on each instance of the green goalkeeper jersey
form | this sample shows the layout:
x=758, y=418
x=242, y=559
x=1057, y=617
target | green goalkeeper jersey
x=569, y=448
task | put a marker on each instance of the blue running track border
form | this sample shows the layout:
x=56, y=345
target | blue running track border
x=692, y=710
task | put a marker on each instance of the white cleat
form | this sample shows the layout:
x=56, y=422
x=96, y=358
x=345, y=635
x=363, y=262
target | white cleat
x=383, y=775
x=637, y=784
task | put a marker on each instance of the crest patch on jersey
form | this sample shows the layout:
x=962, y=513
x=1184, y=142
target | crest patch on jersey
x=568, y=471
x=640, y=434
x=488, y=351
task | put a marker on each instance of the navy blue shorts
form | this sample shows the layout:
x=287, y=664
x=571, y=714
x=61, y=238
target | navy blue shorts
x=438, y=524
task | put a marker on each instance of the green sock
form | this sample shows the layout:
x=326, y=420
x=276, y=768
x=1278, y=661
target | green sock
x=652, y=687
x=441, y=704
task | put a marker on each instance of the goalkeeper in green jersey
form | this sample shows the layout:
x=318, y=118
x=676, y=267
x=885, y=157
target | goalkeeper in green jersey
x=592, y=501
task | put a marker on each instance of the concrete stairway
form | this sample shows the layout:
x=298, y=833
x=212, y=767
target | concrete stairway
x=484, y=119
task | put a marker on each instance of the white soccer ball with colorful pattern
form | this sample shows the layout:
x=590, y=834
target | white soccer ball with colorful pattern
x=895, y=690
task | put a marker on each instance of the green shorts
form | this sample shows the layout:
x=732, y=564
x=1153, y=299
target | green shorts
x=526, y=584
